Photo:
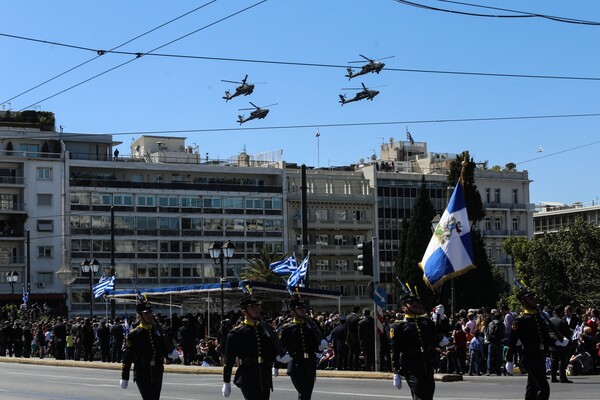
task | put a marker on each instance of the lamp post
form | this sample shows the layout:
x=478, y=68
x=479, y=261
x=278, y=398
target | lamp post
x=221, y=253
x=90, y=268
x=12, y=277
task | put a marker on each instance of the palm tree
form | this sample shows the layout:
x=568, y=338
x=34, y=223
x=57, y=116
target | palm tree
x=258, y=268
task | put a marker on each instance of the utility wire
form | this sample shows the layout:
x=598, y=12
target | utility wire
x=522, y=13
x=139, y=55
x=322, y=65
x=559, y=152
x=99, y=52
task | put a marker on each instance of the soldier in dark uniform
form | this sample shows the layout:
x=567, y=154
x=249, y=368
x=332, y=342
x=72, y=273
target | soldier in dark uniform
x=302, y=340
x=146, y=347
x=412, y=342
x=250, y=343
x=532, y=330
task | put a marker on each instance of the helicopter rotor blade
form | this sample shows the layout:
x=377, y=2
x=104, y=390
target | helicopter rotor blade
x=385, y=58
x=223, y=80
x=363, y=85
x=245, y=78
x=255, y=106
x=270, y=105
x=366, y=58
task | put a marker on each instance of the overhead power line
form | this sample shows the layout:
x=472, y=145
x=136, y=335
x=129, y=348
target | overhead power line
x=320, y=65
x=99, y=52
x=139, y=55
x=520, y=14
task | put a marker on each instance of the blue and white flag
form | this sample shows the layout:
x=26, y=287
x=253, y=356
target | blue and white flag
x=103, y=285
x=450, y=250
x=25, y=295
x=299, y=274
x=285, y=266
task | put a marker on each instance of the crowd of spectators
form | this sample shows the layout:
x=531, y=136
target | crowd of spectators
x=477, y=344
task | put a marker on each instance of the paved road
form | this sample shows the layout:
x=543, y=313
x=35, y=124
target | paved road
x=50, y=382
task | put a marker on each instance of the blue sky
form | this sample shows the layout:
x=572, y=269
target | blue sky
x=153, y=94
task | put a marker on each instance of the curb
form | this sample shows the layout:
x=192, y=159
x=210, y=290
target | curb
x=197, y=370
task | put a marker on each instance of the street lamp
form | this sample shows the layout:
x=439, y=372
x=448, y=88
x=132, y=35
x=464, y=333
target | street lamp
x=90, y=268
x=219, y=253
x=12, y=277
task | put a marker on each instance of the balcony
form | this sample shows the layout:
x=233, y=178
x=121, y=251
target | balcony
x=332, y=250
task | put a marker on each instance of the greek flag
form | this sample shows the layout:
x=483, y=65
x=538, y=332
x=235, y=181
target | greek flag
x=285, y=266
x=450, y=251
x=103, y=285
x=25, y=295
x=298, y=274
x=409, y=137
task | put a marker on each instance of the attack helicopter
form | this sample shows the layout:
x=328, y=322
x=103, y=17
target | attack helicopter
x=258, y=113
x=371, y=66
x=244, y=89
x=363, y=94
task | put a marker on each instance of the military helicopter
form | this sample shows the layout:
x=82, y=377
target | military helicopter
x=371, y=66
x=258, y=113
x=244, y=89
x=363, y=94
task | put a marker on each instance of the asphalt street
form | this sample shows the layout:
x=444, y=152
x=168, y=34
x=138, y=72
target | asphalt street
x=78, y=381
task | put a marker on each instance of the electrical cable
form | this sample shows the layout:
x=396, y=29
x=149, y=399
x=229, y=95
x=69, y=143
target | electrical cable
x=139, y=55
x=99, y=52
x=523, y=14
x=304, y=64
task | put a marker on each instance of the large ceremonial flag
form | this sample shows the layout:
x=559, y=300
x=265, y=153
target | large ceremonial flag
x=103, y=285
x=285, y=266
x=299, y=274
x=450, y=250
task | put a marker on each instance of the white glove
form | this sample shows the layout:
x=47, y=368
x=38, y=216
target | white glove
x=275, y=372
x=226, y=389
x=323, y=345
x=443, y=342
x=284, y=359
x=123, y=383
x=509, y=367
x=174, y=355
x=562, y=343
x=397, y=381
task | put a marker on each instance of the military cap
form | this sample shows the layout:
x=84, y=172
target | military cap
x=296, y=301
x=247, y=300
x=408, y=297
x=143, y=307
x=523, y=293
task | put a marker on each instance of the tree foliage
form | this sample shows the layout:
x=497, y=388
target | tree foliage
x=561, y=267
x=414, y=240
x=258, y=269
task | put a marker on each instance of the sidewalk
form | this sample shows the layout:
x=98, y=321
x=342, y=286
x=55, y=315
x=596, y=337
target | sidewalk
x=197, y=370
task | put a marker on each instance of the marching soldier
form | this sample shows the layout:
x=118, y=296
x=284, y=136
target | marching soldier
x=146, y=347
x=535, y=336
x=302, y=339
x=252, y=343
x=413, y=341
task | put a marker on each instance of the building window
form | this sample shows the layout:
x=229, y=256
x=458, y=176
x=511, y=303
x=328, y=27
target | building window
x=341, y=265
x=498, y=252
x=44, y=174
x=45, y=225
x=515, y=195
x=497, y=224
x=322, y=240
x=149, y=201
x=341, y=215
x=322, y=265
x=44, y=199
x=340, y=240
x=45, y=251
x=488, y=195
x=497, y=195
x=358, y=215
x=488, y=223
x=488, y=251
x=515, y=223
x=122, y=200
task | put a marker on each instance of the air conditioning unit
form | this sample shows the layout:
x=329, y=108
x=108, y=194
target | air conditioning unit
x=41, y=285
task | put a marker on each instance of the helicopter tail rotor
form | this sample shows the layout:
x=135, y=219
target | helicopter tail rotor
x=350, y=73
x=342, y=99
x=240, y=119
x=227, y=96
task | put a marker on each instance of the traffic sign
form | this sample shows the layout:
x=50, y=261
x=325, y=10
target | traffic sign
x=380, y=297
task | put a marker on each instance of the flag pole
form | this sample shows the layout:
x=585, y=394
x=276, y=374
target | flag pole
x=318, y=135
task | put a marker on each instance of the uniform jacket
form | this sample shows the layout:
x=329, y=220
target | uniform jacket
x=146, y=347
x=412, y=343
x=301, y=343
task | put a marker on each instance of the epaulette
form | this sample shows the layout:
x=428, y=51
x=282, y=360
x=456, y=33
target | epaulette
x=288, y=324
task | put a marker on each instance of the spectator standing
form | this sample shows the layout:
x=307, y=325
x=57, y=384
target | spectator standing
x=187, y=341
x=103, y=334
x=60, y=337
x=352, y=339
x=17, y=335
x=460, y=341
x=476, y=354
x=117, y=333
x=366, y=337
x=86, y=338
x=495, y=334
x=338, y=338
x=27, y=339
